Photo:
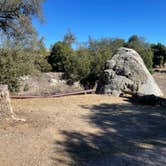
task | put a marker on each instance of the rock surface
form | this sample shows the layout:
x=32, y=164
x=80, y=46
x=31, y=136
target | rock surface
x=127, y=73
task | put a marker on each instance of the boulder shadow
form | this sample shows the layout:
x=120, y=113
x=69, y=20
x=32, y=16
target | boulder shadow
x=128, y=135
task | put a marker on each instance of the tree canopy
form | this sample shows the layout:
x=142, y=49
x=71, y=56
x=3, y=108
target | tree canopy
x=159, y=54
x=16, y=16
x=60, y=56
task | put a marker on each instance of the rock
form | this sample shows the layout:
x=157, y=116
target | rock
x=53, y=81
x=77, y=84
x=127, y=73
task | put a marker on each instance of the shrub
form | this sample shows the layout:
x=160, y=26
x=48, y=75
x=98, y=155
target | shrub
x=41, y=63
x=14, y=64
x=159, y=51
x=60, y=57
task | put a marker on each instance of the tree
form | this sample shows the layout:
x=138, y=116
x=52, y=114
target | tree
x=133, y=39
x=16, y=24
x=101, y=51
x=16, y=16
x=18, y=60
x=60, y=57
x=41, y=57
x=15, y=63
x=90, y=59
x=69, y=38
x=80, y=68
x=159, y=51
x=81, y=65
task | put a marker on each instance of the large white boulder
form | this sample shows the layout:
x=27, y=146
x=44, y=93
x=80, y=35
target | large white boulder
x=127, y=73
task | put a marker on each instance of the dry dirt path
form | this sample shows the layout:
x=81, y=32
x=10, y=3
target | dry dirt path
x=161, y=81
x=90, y=130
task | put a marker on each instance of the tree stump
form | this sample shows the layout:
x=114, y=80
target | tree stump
x=6, y=111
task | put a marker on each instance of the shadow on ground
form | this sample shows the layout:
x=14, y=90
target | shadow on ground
x=129, y=135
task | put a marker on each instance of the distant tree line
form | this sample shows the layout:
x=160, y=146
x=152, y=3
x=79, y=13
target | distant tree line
x=86, y=63
x=83, y=64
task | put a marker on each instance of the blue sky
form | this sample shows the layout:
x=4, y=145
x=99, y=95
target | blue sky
x=103, y=18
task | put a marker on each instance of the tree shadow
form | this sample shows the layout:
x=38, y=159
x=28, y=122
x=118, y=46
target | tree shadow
x=129, y=135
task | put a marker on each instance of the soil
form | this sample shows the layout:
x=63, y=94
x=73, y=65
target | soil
x=161, y=81
x=90, y=130
x=84, y=130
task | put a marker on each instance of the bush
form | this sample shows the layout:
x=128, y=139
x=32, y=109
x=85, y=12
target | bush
x=41, y=63
x=14, y=64
x=159, y=51
x=60, y=57
x=86, y=63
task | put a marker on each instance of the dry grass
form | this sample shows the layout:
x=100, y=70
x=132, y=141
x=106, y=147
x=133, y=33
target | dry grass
x=86, y=130
x=90, y=130
x=32, y=142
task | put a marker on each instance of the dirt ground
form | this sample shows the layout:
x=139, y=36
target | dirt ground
x=87, y=130
x=161, y=81
x=90, y=130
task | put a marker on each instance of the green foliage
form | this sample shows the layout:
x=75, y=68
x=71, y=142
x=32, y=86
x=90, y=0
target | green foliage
x=14, y=64
x=84, y=64
x=80, y=65
x=41, y=57
x=147, y=56
x=159, y=54
x=60, y=57
x=100, y=51
x=41, y=63
x=17, y=61
x=88, y=62
x=16, y=16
